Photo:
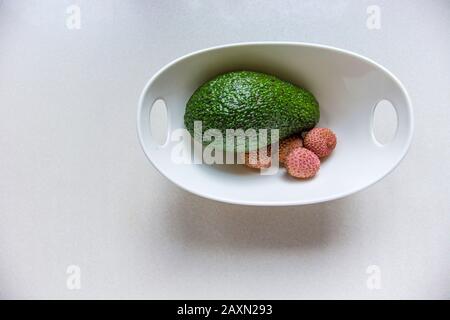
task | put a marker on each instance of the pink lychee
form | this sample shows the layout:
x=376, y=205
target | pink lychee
x=286, y=145
x=321, y=141
x=302, y=163
x=257, y=159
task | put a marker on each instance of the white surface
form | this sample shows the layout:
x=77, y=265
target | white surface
x=76, y=188
x=347, y=87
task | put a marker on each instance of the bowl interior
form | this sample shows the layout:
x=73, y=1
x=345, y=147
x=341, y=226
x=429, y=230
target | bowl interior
x=347, y=88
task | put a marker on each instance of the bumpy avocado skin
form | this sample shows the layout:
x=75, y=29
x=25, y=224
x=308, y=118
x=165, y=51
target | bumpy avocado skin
x=247, y=99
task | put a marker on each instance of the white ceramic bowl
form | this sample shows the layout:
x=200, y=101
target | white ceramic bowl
x=347, y=86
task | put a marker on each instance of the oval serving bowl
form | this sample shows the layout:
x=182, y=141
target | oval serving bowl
x=347, y=86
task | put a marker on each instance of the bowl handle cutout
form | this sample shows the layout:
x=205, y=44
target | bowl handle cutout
x=384, y=122
x=153, y=121
x=391, y=122
x=159, y=122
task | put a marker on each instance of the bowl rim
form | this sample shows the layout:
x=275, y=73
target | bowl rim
x=334, y=196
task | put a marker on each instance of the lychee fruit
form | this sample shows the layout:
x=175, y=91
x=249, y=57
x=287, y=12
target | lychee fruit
x=286, y=145
x=302, y=163
x=257, y=159
x=321, y=141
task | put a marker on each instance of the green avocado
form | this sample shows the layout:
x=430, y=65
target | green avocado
x=249, y=100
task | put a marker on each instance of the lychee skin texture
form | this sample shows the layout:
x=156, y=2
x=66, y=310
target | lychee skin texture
x=302, y=163
x=321, y=141
x=286, y=145
x=257, y=159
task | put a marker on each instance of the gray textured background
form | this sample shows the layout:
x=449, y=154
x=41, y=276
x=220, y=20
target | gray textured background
x=75, y=187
